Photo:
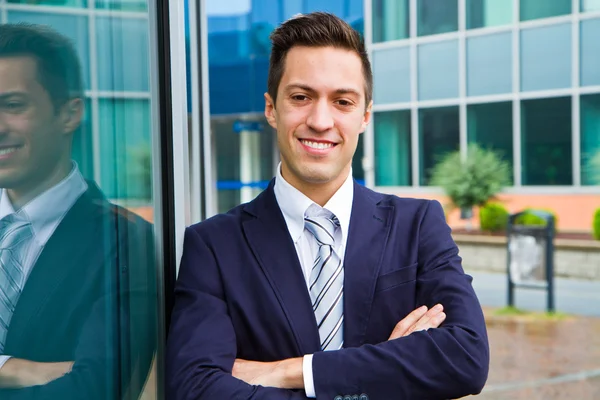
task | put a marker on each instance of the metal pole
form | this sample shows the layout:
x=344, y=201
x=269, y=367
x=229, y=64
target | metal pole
x=550, y=262
x=509, y=286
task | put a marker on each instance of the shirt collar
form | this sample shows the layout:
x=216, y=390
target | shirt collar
x=47, y=209
x=293, y=204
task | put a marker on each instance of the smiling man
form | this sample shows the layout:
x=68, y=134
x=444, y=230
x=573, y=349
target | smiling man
x=321, y=287
x=76, y=272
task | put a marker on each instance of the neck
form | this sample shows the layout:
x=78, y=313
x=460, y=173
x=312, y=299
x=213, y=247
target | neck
x=21, y=195
x=320, y=193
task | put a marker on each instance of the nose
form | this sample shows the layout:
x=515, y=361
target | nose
x=320, y=118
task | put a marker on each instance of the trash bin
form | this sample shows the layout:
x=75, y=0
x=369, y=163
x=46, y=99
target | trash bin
x=530, y=255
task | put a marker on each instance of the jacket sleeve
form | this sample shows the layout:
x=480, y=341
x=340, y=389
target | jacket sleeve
x=451, y=361
x=201, y=347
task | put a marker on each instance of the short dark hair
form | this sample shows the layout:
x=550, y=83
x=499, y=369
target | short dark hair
x=318, y=29
x=58, y=67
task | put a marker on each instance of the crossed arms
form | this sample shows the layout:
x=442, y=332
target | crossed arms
x=450, y=361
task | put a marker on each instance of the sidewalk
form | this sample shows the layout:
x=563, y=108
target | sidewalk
x=539, y=358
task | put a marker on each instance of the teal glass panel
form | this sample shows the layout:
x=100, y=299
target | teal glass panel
x=390, y=20
x=438, y=135
x=438, y=70
x=489, y=64
x=590, y=139
x=590, y=52
x=393, y=166
x=546, y=142
x=436, y=16
x=391, y=75
x=535, y=9
x=488, y=13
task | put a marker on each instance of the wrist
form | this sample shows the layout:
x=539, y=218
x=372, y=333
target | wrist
x=291, y=373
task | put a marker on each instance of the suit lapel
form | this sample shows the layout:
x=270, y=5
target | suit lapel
x=270, y=241
x=367, y=237
x=63, y=252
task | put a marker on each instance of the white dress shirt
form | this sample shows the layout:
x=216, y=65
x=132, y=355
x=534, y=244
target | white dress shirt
x=44, y=212
x=293, y=205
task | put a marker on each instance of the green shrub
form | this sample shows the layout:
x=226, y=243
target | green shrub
x=596, y=225
x=493, y=217
x=529, y=219
x=473, y=181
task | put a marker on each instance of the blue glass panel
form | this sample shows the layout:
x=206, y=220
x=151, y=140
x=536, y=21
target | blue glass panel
x=74, y=27
x=590, y=52
x=489, y=64
x=546, y=58
x=438, y=70
x=391, y=75
x=122, y=54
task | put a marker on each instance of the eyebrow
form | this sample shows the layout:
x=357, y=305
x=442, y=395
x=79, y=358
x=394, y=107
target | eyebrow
x=309, y=89
x=4, y=96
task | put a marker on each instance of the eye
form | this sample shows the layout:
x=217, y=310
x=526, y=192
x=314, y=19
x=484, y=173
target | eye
x=344, y=103
x=299, y=97
x=14, y=106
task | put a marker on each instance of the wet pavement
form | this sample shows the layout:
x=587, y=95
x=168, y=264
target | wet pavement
x=538, y=358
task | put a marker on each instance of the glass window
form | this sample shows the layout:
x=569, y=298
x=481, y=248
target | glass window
x=438, y=135
x=83, y=295
x=489, y=64
x=122, y=55
x=391, y=75
x=72, y=26
x=122, y=5
x=534, y=9
x=390, y=20
x=590, y=139
x=590, y=52
x=64, y=3
x=438, y=70
x=546, y=58
x=590, y=5
x=546, y=142
x=393, y=148
x=486, y=13
x=491, y=126
x=124, y=138
x=436, y=16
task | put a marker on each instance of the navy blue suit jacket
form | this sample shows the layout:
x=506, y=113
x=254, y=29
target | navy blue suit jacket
x=241, y=293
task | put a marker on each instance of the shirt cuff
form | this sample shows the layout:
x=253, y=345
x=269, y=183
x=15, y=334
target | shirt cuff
x=4, y=359
x=307, y=371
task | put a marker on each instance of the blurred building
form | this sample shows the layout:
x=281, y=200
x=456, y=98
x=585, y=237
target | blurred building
x=521, y=77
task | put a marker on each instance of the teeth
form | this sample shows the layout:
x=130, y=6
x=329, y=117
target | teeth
x=315, y=145
x=8, y=150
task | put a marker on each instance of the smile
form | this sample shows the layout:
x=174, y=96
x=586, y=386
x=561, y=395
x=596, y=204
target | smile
x=8, y=150
x=316, y=145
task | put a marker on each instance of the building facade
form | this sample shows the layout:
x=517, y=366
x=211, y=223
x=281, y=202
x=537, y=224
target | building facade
x=520, y=77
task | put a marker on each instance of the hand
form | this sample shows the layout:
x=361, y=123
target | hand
x=285, y=374
x=419, y=320
x=18, y=373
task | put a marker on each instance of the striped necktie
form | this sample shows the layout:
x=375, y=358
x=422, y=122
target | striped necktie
x=326, y=282
x=15, y=235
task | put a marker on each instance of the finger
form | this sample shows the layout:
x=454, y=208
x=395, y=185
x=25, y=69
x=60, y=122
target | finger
x=408, y=321
x=433, y=322
x=423, y=322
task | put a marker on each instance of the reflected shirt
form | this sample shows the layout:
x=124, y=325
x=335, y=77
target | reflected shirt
x=45, y=212
x=293, y=205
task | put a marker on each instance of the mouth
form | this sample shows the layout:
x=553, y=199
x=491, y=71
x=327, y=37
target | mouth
x=311, y=144
x=7, y=150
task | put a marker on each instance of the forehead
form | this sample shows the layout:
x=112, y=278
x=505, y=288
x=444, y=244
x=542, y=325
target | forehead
x=323, y=69
x=18, y=73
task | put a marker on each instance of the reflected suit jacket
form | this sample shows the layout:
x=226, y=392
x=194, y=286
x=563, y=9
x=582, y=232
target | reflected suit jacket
x=241, y=293
x=90, y=298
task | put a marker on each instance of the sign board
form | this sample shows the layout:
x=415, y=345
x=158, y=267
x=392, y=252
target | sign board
x=251, y=126
x=527, y=259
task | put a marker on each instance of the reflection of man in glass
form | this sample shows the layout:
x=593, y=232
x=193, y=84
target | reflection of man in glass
x=75, y=270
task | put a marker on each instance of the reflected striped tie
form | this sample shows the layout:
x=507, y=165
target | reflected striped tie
x=14, y=243
x=326, y=282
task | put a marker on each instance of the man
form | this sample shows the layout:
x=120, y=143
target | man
x=76, y=272
x=320, y=287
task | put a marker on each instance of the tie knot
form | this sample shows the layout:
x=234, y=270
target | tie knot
x=322, y=225
x=14, y=229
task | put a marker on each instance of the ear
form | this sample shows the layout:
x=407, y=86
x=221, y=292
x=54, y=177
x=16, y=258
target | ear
x=367, y=117
x=71, y=115
x=270, y=112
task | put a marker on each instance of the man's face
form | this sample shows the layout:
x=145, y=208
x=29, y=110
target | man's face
x=33, y=137
x=319, y=114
